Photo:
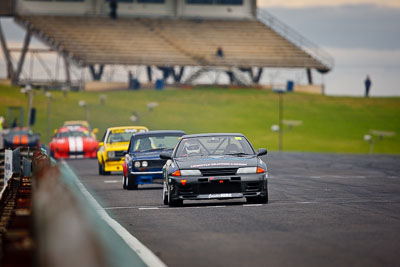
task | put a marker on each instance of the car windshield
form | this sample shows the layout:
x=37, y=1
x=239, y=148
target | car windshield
x=72, y=134
x=21, y=132
x=214, y=145
x=156, y=142
x=119, y=137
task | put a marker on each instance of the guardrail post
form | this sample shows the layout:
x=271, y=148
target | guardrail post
x=16, y=161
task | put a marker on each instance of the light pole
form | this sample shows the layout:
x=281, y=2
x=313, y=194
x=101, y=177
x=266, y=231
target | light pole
x=84, y=104
x=280, y=92
x=29, y=92
x=368, y=138
x=48, y=95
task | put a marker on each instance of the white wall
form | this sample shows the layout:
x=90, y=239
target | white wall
x=216, y=11
x=170, y=8
x=137, y=9
x=54, y=8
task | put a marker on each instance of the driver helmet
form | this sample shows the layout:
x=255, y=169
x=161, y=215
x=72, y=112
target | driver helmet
x=192, y=148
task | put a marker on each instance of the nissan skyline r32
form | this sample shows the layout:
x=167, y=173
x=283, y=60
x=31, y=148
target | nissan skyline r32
x=214, y=166
x=142, y=163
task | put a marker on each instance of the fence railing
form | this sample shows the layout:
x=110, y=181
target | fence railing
x=45, y=205
x=295, y=38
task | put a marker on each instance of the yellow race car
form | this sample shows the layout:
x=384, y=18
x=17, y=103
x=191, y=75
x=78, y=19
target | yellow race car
x=113, y=146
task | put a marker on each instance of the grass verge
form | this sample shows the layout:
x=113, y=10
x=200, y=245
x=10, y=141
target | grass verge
x=329, y=124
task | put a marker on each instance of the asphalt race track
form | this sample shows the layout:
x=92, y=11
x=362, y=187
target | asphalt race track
x=324, y=210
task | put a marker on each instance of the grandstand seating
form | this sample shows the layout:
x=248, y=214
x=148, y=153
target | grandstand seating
x=169, y=41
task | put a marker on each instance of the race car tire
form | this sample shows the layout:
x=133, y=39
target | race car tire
x=102, y=171
x=165, y=194
x=123, y=182
x=173, y=202
x=260, y=199
x=131, y=183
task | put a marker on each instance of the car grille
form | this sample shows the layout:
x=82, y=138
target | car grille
x=218, y=171
x=156, y=163
x=120, y=154
x=215, y=188
x=76, y=153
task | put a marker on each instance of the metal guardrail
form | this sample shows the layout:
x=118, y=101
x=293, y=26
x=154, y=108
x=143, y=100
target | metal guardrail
x=48, y=219
x=295, y=38
x=16, y=237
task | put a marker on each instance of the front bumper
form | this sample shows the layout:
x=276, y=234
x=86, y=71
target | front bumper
x=149, y=177
x=73, y=155
x=113, y=166
x=201, y=188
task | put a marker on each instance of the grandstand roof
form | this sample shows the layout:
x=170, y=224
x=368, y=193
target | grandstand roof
x=168, y=41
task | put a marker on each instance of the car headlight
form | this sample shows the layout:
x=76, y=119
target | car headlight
x=111, y=154
x=137, y=164
x=246, y=170
x=190, y=173
x=145, y=164
x=249, y=170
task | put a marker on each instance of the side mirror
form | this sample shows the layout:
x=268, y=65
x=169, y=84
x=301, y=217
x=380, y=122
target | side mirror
x=165, y=155
x=262, y=152
x=95, y=130
x=101, y=144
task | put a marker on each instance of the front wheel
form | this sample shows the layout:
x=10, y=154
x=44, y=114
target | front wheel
x=131, y=183
x=165, y=194
x=173, y=202
x=124, y=182
x=260, y=199
x=102, y=171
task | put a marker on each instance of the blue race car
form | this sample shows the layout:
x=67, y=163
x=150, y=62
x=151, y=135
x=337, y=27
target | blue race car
x=142, y=162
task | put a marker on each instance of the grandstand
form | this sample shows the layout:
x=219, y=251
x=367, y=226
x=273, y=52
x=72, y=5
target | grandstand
x=167, y=33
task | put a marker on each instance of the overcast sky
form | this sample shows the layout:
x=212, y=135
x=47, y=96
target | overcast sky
x=346, y=26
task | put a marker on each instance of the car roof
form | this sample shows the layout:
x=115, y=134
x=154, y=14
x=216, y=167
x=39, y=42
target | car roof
x=71, y=128
x=77, y=122
x=211, y=134
x=127, y=127
x=160, y=132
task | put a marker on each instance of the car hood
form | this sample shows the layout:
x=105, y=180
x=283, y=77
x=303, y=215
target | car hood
x=155, y=154
x=117, y=146
x=66, y=140
x=206, y=162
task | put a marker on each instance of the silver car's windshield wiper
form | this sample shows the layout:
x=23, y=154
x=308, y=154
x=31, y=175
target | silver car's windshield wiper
x=238, y=154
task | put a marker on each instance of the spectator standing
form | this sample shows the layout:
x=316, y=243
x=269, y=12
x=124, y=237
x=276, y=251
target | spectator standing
x=220, y=53
x=113, y=9
x=368, y=84
x=14, y=123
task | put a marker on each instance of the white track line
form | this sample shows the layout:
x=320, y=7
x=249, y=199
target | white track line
x=112, y=181
x=147, y=256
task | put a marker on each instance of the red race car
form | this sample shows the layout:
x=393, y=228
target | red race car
x=73, y=142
